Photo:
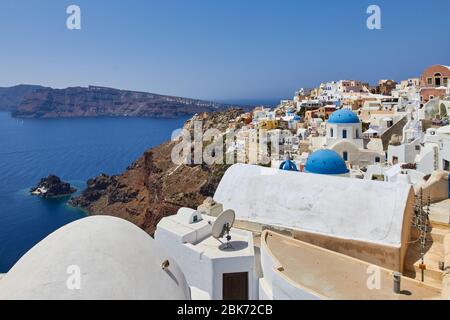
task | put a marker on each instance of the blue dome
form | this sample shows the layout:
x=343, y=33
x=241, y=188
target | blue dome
x=288, y=165
x=297, y=118
x=343, y=116
x=326, y=162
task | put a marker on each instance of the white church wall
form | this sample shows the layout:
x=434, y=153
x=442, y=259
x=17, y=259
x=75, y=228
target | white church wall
x=334, y=206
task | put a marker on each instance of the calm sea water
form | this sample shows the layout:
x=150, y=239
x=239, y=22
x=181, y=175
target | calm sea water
x=73, y=149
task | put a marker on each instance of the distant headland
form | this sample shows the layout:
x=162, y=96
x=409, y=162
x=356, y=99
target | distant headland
x=29, y=101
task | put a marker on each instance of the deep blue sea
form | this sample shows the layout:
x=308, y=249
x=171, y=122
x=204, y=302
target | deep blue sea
x=73, y=149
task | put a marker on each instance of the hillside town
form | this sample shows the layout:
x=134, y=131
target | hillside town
x=355, y=180
x=365, y=132
x=352, y=202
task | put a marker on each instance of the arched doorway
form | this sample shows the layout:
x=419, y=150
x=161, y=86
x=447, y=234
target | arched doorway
x=437, y=80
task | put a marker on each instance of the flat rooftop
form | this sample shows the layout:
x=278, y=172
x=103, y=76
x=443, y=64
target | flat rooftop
x=241, y=245
x=198, y=237
x=440, y=213
x=335, y=276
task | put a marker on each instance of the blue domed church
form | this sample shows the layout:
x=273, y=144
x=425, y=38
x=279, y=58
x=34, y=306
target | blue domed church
x=344, y=137
x=344, y=125
x=326, y=162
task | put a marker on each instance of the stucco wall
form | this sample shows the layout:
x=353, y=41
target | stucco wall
x=357, y=156
x=198, y=271
x=204, y=270
x=274, y=285
x=436, y=187
x=348, y=208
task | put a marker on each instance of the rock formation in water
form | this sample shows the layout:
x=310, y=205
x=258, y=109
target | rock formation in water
x=52, y=187
x=154, y=187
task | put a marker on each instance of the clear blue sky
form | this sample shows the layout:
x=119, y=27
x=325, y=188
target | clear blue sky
x=218, y=49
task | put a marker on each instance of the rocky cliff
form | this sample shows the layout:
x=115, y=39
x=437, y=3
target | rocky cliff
x=154, y=187
x=11, y=97
x=99, y=101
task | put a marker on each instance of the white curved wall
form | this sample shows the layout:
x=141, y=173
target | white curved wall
x=116, y=260
x=362, y=210
x=273, y=286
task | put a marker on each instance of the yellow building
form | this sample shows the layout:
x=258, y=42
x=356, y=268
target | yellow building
x=268, y=124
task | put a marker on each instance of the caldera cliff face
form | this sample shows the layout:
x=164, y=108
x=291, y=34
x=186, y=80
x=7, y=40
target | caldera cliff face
x=154, y=187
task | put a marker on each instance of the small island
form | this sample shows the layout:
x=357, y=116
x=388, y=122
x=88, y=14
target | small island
x=52, y=187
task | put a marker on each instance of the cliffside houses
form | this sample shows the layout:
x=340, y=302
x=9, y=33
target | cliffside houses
x=371, y=129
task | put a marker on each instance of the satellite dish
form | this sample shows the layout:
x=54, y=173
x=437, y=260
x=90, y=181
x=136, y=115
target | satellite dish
x=223, y=225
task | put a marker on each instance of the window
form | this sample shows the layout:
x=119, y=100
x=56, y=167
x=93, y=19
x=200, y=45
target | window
x=394, y=160
x=430, y=81
x=377, y=160
x=357, y=133
x=345, y=156
x=331, y=133
x=446, y=81
x=344, y=134
x=446, y=165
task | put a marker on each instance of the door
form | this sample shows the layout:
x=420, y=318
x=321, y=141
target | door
x=235, y=286
x=345, y=156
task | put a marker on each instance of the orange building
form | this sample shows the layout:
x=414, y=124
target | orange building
x=434, y=82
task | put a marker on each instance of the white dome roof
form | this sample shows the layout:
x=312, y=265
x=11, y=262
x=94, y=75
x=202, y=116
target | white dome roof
x=117, y=260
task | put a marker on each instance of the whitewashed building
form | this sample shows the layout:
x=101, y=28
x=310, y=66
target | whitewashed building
x=212, y=269
x=435, y=151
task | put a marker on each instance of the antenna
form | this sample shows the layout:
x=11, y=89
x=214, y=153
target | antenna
x=223, y=225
